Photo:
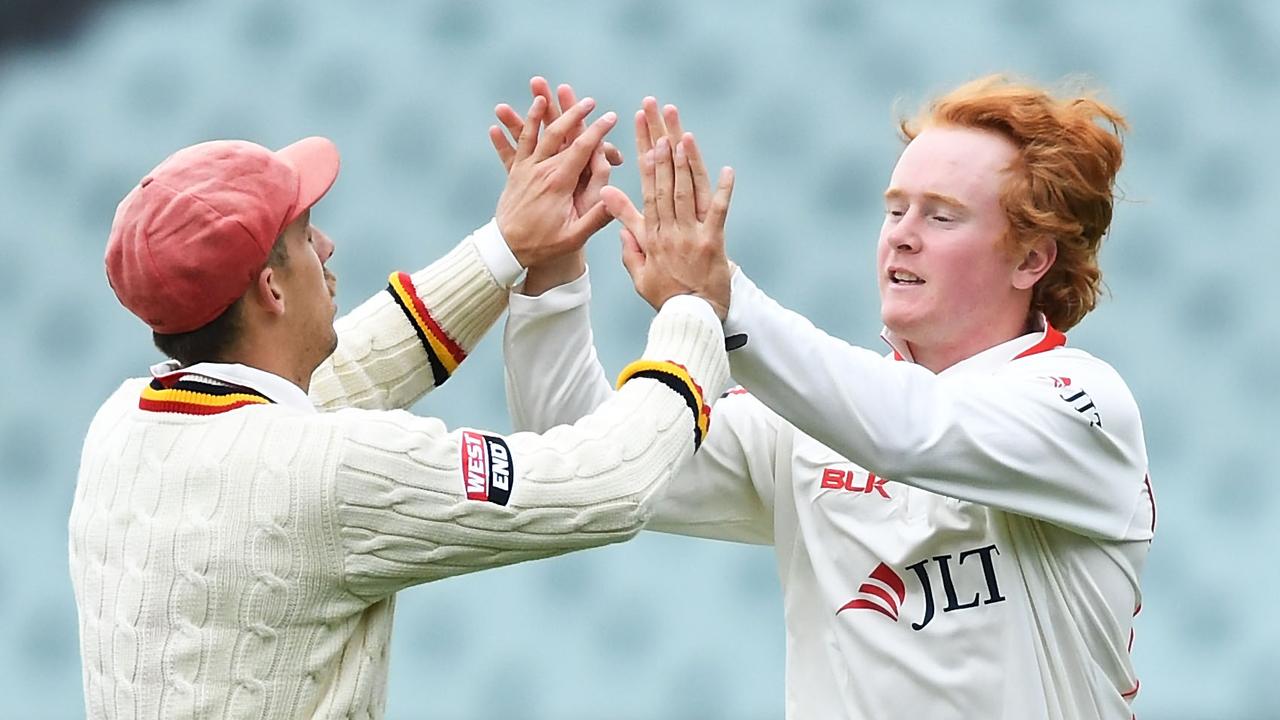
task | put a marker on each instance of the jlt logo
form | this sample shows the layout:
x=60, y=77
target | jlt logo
x=836, y=479
x=884, y=591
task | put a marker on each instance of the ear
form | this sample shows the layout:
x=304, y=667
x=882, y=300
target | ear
x=1035, y=262
x=267, y=292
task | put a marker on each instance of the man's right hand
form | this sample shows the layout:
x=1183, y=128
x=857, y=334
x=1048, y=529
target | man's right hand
x=536, y=213
x=569, y=267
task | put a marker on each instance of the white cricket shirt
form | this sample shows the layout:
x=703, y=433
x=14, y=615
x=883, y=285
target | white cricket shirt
x=957, y=545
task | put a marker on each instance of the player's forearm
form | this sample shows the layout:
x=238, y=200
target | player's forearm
x=552, y=371
x=1007, y=443
x=418, y=506
x=552, y=274
x=411, y=337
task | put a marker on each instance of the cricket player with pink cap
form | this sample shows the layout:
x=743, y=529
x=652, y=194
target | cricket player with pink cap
x=244, y=517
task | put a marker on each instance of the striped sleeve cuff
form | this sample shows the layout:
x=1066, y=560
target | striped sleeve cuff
x=686, y=353
x=443, y=354
x=676, y=377
x=451, y=302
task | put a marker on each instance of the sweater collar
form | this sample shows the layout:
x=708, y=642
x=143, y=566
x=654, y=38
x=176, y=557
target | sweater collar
x=269, y=385
x=1044, y=338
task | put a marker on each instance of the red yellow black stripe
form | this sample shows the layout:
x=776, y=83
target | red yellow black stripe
x=443, y=354
x=676, y=377
x=192, y=397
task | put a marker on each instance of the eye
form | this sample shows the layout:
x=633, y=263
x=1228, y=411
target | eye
x=895, y=212
x=943, y=218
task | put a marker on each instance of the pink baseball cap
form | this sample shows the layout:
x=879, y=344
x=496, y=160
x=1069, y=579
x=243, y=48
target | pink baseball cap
x=190, y=239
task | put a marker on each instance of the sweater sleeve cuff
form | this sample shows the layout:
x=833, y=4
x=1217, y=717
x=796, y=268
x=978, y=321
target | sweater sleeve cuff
x=496, y=254
x=462, y=295
x=742, y=294
x=574, y=293
x=688, y=332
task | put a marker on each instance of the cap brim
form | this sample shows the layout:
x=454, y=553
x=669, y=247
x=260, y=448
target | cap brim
x=316, y=161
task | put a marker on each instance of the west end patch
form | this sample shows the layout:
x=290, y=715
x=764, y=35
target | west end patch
x=488, y=472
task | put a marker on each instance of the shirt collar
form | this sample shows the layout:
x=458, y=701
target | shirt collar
x=1044, y=338
x=276, y=388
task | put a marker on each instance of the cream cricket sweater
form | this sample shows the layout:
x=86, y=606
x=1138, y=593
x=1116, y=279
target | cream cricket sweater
x=236, y=554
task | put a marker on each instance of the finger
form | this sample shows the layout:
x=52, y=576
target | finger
x=510, y=119
x=506, y=153
x=620, y=206
x=671, y=118
x=656, y=127
x=594, y=177
x=529, y=134
x=591, y=222
x=701, y=180
x=664, y=185
x=632, y=257
x=598, y=175
x=539, y=87
x=719, y=209
x=685, y=212
x=553, y=139
x=644, y=155
x=567, y=99
x=648, y=190
x=643, y=143
x=579, y=153
x=612, y=154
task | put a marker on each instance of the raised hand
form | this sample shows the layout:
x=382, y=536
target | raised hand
x=514, y=123
x=586, y=195
x=536, y=212
x=674, y=247
x=652, y=125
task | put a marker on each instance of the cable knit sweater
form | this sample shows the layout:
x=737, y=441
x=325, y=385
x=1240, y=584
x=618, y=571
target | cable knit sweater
x=236, y=555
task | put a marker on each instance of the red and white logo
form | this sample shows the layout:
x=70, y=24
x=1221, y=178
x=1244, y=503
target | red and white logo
x=883, y=591
x=488, y=471
x=837, y=479
x=475, y=466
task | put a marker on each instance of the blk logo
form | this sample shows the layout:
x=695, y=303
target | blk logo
x=837, y=479
x=885, y=592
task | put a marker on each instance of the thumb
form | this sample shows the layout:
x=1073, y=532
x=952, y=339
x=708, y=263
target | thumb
x=595, y=219
x=620, y=206
x=633, y=258
x=618, y=203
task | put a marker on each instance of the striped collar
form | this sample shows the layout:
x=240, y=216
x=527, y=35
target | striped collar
x=1041, y=340
x=269, y=387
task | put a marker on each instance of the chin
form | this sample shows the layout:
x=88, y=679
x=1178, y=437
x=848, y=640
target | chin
x=896, y=318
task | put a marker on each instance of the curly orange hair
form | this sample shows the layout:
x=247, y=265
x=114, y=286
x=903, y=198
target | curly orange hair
x=1062, y=185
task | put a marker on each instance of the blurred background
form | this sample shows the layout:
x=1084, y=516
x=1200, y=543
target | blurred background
x=801, y=98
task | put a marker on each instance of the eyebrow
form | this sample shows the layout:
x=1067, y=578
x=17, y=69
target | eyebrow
x=897, y=194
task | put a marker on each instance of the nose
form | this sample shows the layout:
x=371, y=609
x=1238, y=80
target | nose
x=324, y=246
x=903, y=235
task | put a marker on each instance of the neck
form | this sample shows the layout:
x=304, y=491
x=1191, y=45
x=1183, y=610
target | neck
x=942, y=353
x=271, y=355
x=940, y=357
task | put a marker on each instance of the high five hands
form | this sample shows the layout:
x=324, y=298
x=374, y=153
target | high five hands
x=550, y=204
x=675, y=246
